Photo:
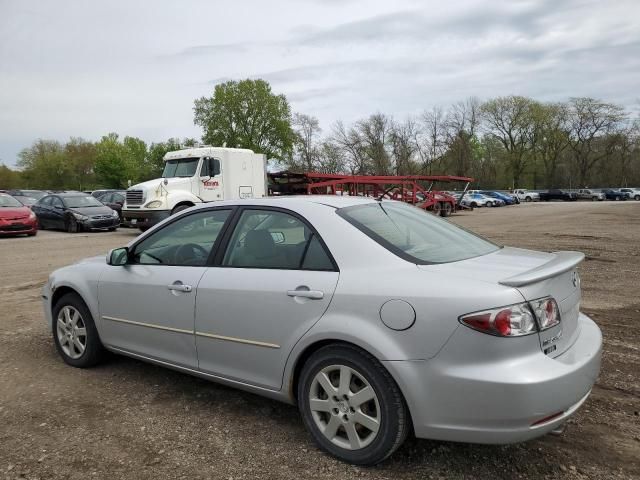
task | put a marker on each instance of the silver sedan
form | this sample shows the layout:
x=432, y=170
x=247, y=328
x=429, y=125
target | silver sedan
x=374, y=317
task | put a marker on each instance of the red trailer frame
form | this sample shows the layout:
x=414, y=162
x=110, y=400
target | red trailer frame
x=406, y=188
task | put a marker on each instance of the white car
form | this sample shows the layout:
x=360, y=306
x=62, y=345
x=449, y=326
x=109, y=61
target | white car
x=475, y=200
x=526, y=195
x=632, y=193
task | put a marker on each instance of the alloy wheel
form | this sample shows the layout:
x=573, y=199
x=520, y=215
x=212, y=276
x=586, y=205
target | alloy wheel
x=71, y=331
x=344, y=407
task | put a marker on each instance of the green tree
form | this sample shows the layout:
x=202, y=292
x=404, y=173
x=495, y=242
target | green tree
x=44, y=166
x=80, y=157
x=9, y=178
x=246, y=114
x=111, y=164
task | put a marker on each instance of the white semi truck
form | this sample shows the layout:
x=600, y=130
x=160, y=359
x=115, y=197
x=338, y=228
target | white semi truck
x=192, y=176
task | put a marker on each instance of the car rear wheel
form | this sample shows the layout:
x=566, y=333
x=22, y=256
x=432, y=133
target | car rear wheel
x=351, y=405
x=489, y=204
x=473, y=205
x=74, y=332
x=446, y=209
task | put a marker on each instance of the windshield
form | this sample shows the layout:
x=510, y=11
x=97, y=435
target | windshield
x=37, y=194
x=79, y=202
x=180, y=167
x=7, y=201
x=415, y=235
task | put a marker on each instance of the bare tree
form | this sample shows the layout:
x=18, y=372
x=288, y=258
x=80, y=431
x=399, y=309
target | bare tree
x=430, y=140
x=593, y=125
x=403, y=146
x=307, y=130
x=509, y=120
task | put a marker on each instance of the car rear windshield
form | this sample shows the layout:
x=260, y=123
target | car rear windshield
x=415, y=235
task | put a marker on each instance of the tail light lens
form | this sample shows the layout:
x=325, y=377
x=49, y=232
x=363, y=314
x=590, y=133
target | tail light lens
x=512, y=321
x=546, y=312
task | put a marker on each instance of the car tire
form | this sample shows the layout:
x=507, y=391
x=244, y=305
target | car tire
x=32, y=234
x=473, y=205
x=527, y=199
x=73, y=327
x=446, y=209
x=72, y=225
x=112, y=229
x=180, y=208
x=489, y=204
x=41, y=225
x=637, y=197
x=385, y=411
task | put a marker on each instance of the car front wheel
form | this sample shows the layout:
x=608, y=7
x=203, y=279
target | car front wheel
x=351, y=405
x=74, y=332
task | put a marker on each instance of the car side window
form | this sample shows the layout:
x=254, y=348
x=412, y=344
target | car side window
x=185, y=242
x=46, y=201
x=274, y=239
x=56, y=202
x=117, y=198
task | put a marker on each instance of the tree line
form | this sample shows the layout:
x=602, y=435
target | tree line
x=503, y=142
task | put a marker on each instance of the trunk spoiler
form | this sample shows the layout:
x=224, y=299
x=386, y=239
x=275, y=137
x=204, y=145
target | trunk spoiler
x=562, y=262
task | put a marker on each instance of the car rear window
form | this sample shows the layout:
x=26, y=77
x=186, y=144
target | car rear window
x=415, y=235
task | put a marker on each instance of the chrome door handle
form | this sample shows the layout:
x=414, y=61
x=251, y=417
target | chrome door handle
x=179, y=287
x=312, y=294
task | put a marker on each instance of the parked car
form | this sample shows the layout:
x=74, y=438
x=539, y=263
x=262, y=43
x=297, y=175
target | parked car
x=74, y=212
x=37, y=194
x=526, y=195
x=610, y=194
x=26, y=201
x=506, y=199
x=590, y=194
x=114, y=200
x=557, y=194
x=16, y=218
x=475, y=200
x=268, y=295
x=632, y=193
x=104, y=191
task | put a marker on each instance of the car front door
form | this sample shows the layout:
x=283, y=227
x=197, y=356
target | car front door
x=56, y=213
x=274, y=281
x=147, y=306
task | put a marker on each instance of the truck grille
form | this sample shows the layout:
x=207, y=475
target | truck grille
x=135, y=197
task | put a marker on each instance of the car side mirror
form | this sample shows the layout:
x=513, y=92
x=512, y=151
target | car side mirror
x=118, y=256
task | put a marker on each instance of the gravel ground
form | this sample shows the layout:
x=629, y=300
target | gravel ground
x=128, y=419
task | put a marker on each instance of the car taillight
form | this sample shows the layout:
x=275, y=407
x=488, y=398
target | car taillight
x=546, y=312
x=511, y=321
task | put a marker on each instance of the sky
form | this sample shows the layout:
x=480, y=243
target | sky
x=87, y=68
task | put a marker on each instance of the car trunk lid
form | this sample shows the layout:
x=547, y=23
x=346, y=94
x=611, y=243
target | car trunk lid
x=534, y=275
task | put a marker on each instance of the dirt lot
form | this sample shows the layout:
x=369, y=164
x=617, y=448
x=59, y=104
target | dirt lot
x=127, y=419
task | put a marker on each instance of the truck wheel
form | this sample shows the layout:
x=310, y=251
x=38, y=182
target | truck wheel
x=180, y=208
x=446, y=209
x=527, y=199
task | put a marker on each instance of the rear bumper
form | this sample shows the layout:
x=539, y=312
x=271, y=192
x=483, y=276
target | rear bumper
x=143, y=218
x=498, y=401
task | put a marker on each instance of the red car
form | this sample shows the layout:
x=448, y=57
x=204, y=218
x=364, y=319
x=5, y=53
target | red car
x=16, y=218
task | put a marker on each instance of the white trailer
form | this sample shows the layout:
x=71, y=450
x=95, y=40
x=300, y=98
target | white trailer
x=192, y=176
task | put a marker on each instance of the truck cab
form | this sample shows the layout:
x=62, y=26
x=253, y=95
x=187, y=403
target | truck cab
x=192, y=176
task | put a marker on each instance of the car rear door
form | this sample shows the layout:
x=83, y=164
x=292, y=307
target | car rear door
x=147, y=306
x=273, y=282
